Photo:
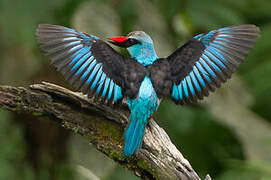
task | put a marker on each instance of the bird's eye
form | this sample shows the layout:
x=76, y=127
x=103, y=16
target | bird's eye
x=132, y=41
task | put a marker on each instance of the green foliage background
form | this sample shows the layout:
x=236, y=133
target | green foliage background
x=228, y=135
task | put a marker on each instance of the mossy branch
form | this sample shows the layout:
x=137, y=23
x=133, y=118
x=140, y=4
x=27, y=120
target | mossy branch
x=103, y=126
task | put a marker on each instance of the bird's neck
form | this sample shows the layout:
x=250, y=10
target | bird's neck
x=143, y=53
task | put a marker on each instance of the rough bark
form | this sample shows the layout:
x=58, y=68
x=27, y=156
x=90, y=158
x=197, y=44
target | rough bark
x=103, y=125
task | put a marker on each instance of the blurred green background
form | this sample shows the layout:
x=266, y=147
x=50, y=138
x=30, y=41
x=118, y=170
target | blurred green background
x=228, y=135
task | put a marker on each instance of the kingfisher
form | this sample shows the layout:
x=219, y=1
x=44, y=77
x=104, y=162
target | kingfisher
x=187, y=75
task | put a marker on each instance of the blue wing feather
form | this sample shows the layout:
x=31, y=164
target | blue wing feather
x=211, y=63
x=214, y=58
x=117, y=92
x=190, y=85
x=195, y=81
x=97, y=76
x=87, y=71
x=110, y=89
x=83, y=62
x=223, y=51
x=196, y=71
x=184, y=84
x=79, y=54
x=101, y=83
x=105, y=87
x=180, y=91
x=72, y=53
x=175, y=94
x=94, y=69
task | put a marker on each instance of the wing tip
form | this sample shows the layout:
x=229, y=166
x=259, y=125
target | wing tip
x=251, y=27
x=49, y=26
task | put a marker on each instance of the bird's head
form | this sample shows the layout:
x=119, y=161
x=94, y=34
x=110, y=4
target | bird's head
x=139, y=44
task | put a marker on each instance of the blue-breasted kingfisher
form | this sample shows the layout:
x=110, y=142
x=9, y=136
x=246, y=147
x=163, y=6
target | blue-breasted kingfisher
x=187, y=75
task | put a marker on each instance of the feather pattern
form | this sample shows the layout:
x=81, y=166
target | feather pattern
x=72, y=53
x=216, y=58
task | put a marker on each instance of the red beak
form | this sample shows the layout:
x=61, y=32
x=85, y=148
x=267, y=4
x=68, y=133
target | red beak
x=118, y=39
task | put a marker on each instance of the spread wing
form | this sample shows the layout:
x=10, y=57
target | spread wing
x=203, y=63
x=90, y=64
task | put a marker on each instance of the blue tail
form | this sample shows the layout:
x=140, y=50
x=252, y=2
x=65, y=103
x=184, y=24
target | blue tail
x=141, y=109
x=135, y=132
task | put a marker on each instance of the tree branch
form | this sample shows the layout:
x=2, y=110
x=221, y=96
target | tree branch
x=103, y=126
